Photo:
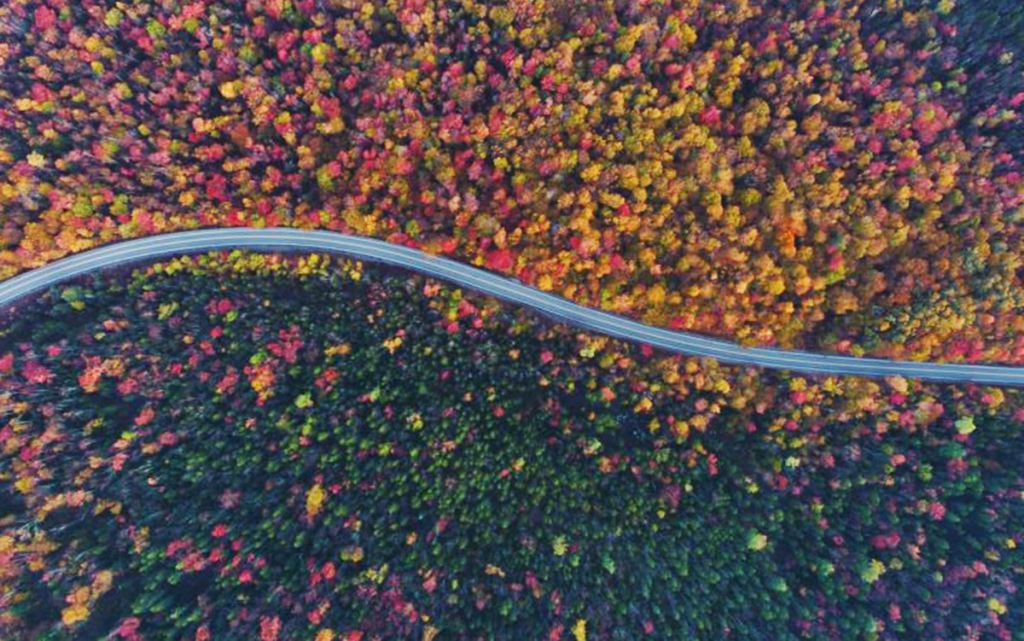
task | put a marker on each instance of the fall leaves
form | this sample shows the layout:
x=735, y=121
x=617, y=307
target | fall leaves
x=79, y=601
x=571, y=465
x=314, y=500
x=441, y=467
x=771, y=176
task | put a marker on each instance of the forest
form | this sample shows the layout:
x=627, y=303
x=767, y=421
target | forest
x=193, y=450
x=246, y=445
x=841, y=176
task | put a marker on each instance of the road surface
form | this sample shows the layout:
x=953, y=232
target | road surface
x=378, y=251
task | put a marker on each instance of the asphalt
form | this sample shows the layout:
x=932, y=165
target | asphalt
x=507, y=289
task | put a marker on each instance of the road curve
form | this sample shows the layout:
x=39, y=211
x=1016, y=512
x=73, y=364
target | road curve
x=378, y=251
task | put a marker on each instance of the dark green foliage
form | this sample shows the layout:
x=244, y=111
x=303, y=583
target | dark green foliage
x=451, y=490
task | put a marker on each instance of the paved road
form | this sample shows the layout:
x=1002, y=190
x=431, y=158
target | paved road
x=372, y=250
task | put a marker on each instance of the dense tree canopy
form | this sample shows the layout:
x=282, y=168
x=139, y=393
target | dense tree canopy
x=249, y=446
x=841, y=175
x=257, y=446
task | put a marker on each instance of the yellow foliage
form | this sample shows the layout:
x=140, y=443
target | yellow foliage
x=559, y=546
x=230, y=89
x=338, y=350
x=102, y=582
x=775, y=286
x=314, y=500
x=74, y=614
x=656, y=294
x=611, y=199
x=25, y=484
x=493, y=570
x=392, y=344
x=579, y=631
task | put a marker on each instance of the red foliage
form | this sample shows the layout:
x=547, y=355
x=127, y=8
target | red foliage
x=499, y=260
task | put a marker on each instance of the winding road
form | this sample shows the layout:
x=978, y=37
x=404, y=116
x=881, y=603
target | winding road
x=378, y=251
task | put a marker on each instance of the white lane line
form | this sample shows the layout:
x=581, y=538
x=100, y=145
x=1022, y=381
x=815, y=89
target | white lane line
x=375, y=250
